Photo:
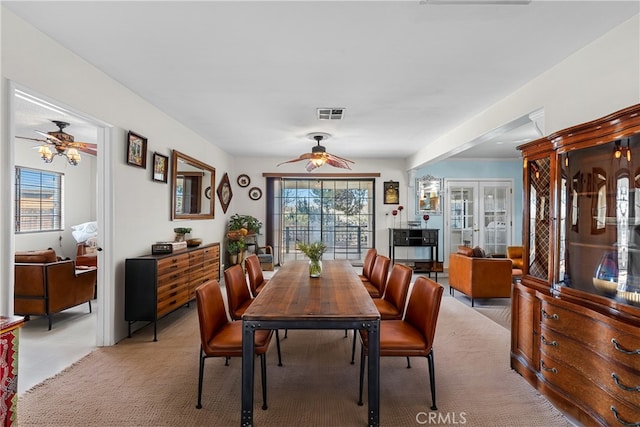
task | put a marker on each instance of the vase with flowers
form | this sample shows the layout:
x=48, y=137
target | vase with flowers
x=314, y=252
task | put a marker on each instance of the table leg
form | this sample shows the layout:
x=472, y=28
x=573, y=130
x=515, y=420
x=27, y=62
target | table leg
x=373, y=381
x=248, y=343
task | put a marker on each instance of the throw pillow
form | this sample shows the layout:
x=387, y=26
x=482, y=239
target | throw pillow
x=478, y=252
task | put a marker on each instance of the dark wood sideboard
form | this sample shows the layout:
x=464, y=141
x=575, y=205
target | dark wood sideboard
x=156, y=285
x=576, y=310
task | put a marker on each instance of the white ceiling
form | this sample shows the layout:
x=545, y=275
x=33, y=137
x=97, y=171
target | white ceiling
x=248, y=76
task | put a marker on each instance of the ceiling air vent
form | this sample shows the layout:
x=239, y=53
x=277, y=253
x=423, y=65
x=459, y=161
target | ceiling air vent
x=330, y=113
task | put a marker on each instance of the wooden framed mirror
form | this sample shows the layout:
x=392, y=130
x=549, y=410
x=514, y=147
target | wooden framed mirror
x=191, y=184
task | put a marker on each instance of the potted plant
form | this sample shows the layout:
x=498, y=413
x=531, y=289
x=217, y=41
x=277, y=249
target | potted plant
x=181, y=232
x=249, y=223
x=235, y=249
x=314, y=252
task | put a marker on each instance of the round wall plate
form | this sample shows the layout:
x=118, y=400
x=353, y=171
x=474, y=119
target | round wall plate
x=255, y=193
x=244, y=180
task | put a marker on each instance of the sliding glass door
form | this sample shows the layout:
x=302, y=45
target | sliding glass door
x=339, y=212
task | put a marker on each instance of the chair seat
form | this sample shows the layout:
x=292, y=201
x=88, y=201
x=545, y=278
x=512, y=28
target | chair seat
x=228, y=341
x=387, y=310
x=373, y=291
x=397, y=338
x=243, y=307
x=363, y=278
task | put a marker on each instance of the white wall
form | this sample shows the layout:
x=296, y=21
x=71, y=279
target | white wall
x=389, y=170
x=140, y=208
x=597, y=80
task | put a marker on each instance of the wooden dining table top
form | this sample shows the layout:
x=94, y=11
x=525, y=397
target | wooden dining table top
x=338, y=294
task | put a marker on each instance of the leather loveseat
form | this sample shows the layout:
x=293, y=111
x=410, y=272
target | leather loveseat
x=479, y=277
x=45, y=285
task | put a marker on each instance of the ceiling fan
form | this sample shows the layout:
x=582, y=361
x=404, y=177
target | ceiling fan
x=319, y=155
x=63, y=144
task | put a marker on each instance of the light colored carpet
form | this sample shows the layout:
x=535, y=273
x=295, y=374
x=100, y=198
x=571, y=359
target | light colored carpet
x=143, y=383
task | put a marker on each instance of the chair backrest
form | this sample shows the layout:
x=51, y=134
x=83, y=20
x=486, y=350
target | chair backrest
x=211, y=313
x=424, y=306
x=369, y=260
x=380, y=272
x=254, y=272
x=235, y=284
x=398, y=286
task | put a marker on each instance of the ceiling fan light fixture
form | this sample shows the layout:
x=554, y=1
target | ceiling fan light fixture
x=319, y=156
x=45, y=153
x=73, y=156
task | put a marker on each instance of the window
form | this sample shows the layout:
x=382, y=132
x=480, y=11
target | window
x=39, y=200
x=340, y=212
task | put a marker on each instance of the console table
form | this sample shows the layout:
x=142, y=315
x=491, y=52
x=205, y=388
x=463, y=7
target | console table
x=417, y=237
x=156, y=285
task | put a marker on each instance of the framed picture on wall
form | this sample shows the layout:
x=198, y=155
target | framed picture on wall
x=136, y=150
x=224, y=192
x=160, y=167
x=391, y=192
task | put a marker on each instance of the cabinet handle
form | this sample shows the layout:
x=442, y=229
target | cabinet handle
x=549, y=316
x=621, y=421
x=622, y=386
x=544, y=341
x=543, y=366
x=622, y=350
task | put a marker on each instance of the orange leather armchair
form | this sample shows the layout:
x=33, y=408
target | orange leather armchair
x=45, y=286
x=516, y=255
x=479, y=277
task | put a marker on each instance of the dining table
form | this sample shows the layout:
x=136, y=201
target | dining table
x=294, y=300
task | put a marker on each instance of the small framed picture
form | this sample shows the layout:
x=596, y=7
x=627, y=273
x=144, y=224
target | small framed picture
x=244, y=180
x=160, y=167
x=136, y=150
x=224, y=192
x=391, y=192
x=255, y=193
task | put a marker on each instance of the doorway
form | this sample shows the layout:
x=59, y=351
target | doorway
x=479, y=213
x=75, y=332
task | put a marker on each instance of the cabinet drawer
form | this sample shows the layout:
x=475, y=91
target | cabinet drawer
x=173, y=301
x=597, y=368
x=212, y=252
x=172, y=278
x=171, y=288
x=172, y=264
x=612, y=339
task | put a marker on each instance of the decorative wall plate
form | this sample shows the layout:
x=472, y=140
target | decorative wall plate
x=255, y=193
x=224, y=192
x=207, y=192
x=244, y=180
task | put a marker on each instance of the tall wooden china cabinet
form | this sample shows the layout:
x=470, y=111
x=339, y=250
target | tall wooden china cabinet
x=576, y=310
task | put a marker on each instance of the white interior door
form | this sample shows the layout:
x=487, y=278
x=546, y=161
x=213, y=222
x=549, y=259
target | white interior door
x=478, y=213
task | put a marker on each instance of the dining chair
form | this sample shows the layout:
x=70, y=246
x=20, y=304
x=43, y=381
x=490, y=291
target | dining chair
x=391, y=305
x=238, y=295
x=221, y=338
x=254, y=271
x=367, y=264
x=378, y=279
x=413, y=335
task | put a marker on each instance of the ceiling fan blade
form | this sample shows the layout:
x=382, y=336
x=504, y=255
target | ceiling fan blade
x=337, y=162
x=341, y=158
x=90, y=149
x=32, y=139
x=302, y=157
x=49, y=137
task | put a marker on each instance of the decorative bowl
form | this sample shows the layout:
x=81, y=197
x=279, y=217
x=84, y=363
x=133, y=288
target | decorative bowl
x=194, y=242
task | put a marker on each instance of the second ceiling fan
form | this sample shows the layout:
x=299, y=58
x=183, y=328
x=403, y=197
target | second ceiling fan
x=60, y=143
